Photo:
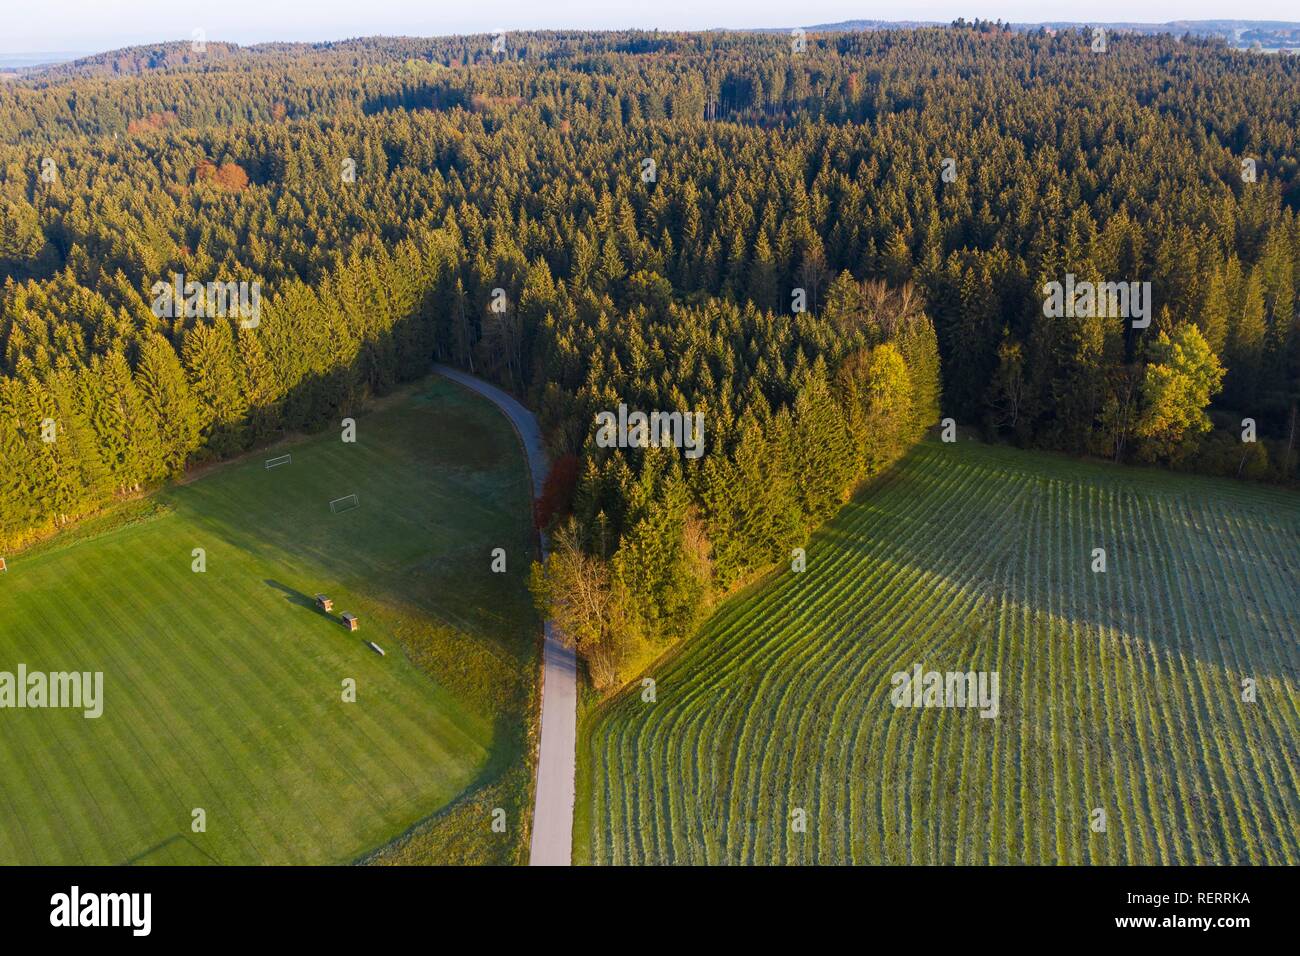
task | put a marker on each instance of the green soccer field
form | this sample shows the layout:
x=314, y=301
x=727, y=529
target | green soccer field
x=223, y=690
x=1120, y=691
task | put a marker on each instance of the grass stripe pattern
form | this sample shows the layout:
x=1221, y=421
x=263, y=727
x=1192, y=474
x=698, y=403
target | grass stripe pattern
x=223, y=689
x=1120, y=691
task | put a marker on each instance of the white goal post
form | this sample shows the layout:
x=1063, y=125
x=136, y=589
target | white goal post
x=346, y=503
x=277, y=462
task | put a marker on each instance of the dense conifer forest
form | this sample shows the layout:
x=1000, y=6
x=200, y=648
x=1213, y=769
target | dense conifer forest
x=822, y=248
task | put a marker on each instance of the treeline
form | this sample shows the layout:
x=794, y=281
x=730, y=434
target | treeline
x=79, y=435
x=796, y=414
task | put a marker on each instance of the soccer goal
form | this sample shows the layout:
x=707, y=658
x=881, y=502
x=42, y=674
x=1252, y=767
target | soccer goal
x=346, y=503
x=277, y=462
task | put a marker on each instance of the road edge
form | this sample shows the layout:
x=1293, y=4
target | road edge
x=551, y=842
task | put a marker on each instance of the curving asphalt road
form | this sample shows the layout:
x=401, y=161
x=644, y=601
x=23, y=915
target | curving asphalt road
x=553, y=812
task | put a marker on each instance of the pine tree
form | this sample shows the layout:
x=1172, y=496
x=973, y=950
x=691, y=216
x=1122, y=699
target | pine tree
x=126, y=434
x=1246, y=343
x=1213, y=317
x=762, y=274
x=260, y=386
x=212, y=368
x=822, y=457
x=170, y=402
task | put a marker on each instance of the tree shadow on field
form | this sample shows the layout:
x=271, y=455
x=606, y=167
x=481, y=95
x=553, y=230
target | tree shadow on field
x=294, y=596
x=1191, y=571
x=177, y=839
x=464, y=491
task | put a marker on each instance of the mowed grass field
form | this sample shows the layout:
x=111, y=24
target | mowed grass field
x=223, y=690
x=1120, y=691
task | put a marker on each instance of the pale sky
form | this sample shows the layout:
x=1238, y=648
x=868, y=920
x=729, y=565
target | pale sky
x=97, y=25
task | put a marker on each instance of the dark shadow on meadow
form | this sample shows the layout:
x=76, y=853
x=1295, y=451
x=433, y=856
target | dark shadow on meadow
x=414, y=553
x=1195, y=568
x=294, y=596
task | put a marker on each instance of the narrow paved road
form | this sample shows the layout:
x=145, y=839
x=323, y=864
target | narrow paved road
x=553, y=812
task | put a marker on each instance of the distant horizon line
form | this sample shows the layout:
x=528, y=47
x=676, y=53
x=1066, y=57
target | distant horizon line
x=73, y=54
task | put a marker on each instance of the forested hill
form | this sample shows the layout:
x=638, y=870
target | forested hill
x=1243, y=34
x=647, y=205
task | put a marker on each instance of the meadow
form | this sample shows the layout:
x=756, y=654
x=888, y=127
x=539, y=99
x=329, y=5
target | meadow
x=1162, y=692
x=224, y=687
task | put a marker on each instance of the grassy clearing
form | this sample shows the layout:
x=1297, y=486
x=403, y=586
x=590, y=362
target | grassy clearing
x=1120, y=691
x=223, y=689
